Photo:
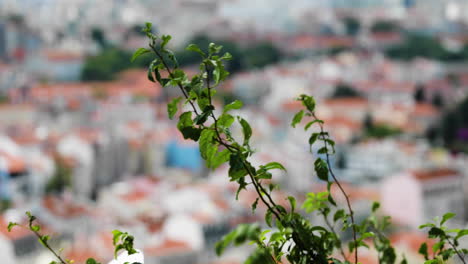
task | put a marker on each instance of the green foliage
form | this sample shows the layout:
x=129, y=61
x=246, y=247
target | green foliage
x=97, y=35
x=381, y=131
x=447, y=241
x=417, y=45
x=122, y=241
x=384, y=26
x=256, y=56
x=450, y=128
x=292, y=235
x=344, y=90
x=352, y=25
x=420, y=94
x=61, y=178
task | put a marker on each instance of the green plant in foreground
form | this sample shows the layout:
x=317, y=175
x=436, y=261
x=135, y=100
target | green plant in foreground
x=291, y=235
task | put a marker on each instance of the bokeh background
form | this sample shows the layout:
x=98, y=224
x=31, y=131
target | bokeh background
x=86, y=145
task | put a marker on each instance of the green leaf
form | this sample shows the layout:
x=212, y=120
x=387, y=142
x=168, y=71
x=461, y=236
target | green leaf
x=207, y=143
x=165, y=40
x=35, y=228
x=236, y=169
x=297, y=118
x=462, y=233
x=292, y=202
x=201, y=118
x=375, y=206
x=313, y=138
x=321, y=169
x=323, y=150
x=273, y=165
x=151, y=69
x=172, y=107
x=225, y=120
x=311, y=123
x=268, y=217
x=219, y=158
x=224, y=242
x=423, y=251
x=438, y=246
x=446, y=217
x=233, y=105
x=138, y=53
x=92, y=261
x=338, y=215
x=247, y=130
x=11, y=225
x=116, y=236
x=214, y=49
x=185, y=126
x=436, y=232
x=195, y=48
x=308, y=102
x=254, y=205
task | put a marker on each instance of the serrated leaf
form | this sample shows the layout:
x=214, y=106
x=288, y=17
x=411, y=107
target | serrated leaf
x=138, y=53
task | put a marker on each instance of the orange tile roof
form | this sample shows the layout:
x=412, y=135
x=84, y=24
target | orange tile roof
x=434, y=174
x=60, y=56
x=425, y=109
x=347, y=102
x=15, y=164
x=168, y=247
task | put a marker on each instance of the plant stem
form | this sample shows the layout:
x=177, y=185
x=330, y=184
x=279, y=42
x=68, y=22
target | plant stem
x=462, y=257
x=348, y=203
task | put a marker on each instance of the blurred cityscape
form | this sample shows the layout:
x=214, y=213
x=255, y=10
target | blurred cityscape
x=86, y=145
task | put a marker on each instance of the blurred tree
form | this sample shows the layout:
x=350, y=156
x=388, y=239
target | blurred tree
x=61, y=178
x=438, y=100
x=419, y=94
x=384, y=26
x=345, y=90
x=97, y=35
x=106, y=65
x=261, y=55
x=381, y=131
x=352, y=25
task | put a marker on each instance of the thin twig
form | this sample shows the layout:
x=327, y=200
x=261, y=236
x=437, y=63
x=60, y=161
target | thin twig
x=348, y=203
x=327, y=222
x=462, y=257
x=46, y=244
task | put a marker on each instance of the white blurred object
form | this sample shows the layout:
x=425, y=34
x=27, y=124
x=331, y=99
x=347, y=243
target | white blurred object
x=9, y=146
x=185, y=229
x=124, y=258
